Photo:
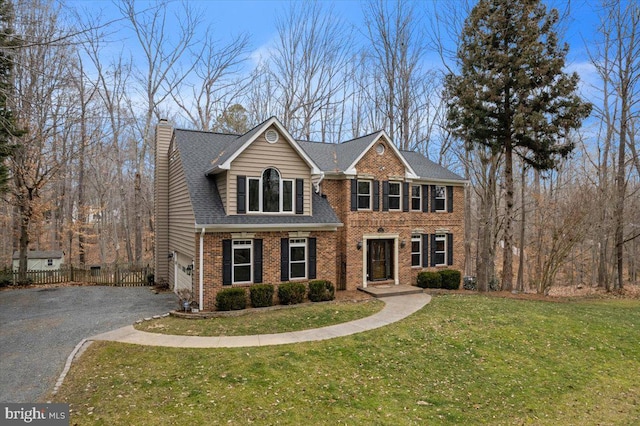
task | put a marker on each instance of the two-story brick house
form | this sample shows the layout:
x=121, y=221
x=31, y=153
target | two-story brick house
x=235, y=210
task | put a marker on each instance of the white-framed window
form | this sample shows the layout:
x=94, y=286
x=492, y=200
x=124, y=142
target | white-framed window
x=254, y=194
x=416, y=197
x=440, y=250
x=440, y=198
x=242, y=261
x=297, y=258
x=270, y=193
x=395, y=195
x=416, y=250
x=49, y=262
x=364, y=195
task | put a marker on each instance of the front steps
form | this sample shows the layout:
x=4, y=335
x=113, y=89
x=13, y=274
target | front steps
x=390, y=290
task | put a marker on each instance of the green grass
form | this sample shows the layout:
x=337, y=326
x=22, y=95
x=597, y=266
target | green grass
x=463, y=359
x=267, y=321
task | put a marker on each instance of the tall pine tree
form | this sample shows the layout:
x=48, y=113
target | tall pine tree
x=512, y=93
x=8, y=130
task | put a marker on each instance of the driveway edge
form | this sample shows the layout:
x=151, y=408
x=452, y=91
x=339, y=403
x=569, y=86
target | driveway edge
x=77, y=351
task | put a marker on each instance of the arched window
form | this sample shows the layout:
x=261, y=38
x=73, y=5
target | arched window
x=271, y=190
x=270, y=193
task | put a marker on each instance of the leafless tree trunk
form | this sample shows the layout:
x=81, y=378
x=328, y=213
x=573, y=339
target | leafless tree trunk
x=41, y=76
x=217, y=86
x=307, y=65
x=618, y=64
x=486, y=170
x=397, y=47
x=167, y=64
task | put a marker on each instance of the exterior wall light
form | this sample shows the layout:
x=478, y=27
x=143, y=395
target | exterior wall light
x=359, y=245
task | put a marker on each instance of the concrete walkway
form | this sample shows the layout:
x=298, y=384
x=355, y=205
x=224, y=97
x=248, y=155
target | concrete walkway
x=395, y=309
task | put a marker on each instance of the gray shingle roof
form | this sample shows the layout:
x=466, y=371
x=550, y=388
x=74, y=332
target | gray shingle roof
x=427, y=169
x=198, y=150
x=337, y=157
x=40, y=254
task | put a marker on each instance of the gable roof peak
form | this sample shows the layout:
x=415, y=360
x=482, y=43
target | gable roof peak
x=241, y=143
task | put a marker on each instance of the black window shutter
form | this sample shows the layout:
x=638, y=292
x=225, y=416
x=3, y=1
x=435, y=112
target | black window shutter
x=449, y=249
x=405, y=196
x=257, y=261
x=226, y=262
x=241, y=192
x=299, y=196
x=311, y=245
x=433, y=198
x=425, y=198
x=433, y=250
x=376, y=195
x=284, y=259
x=354, y=195
x=450, y=199
x=385, y=196
x=425, y=250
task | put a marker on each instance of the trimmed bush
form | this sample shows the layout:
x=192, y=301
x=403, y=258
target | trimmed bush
x=429, y=279
x=291, y=293
x=321, y=290
x=231, y=299
x=261, y=295
x=5, y=280
x=450, y=279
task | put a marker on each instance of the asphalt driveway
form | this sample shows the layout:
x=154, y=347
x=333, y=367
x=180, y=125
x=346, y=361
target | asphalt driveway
x=39, y=327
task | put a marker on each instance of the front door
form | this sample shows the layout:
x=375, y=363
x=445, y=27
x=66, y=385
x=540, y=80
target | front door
x=380, y=260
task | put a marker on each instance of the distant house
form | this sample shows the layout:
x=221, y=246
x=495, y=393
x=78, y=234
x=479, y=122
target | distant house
x=40, y=260
x=263, y=207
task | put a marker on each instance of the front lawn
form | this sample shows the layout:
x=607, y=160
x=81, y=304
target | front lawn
x=462, y=359
x=264, y=321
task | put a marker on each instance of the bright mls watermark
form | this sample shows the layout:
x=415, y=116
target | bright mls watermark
x=34, y=414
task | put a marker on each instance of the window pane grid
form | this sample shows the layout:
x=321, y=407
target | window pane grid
x=416, y=250
x=440, y=250
x=364, y=195
x=415, y=198
x=441, y=198
x=394, y=196
x=242, y=261
x=270, y=193
x=298, y=258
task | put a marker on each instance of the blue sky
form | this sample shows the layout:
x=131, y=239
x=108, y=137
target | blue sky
x=257, y=18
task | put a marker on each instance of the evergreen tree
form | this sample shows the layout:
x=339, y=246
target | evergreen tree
x=8, y=130
x=233, y=120
x=512, y=93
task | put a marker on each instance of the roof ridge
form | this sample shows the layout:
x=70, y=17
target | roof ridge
x=257, y=125
x=209, y=132
x=360, y=137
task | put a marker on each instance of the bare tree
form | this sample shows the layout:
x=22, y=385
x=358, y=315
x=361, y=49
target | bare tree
x=307, y=65
x=217, y=86
x=168, y=58
x=396, y=48
x=618, y=63
x=42, y=77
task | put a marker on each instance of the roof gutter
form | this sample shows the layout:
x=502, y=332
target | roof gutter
x=216, y=169
x=268, y=227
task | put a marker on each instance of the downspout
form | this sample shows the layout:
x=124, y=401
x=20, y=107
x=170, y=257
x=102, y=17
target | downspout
x=201, y=272
x=317, y=184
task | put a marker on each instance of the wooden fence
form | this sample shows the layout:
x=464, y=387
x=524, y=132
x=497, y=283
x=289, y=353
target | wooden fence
x=121, y=276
